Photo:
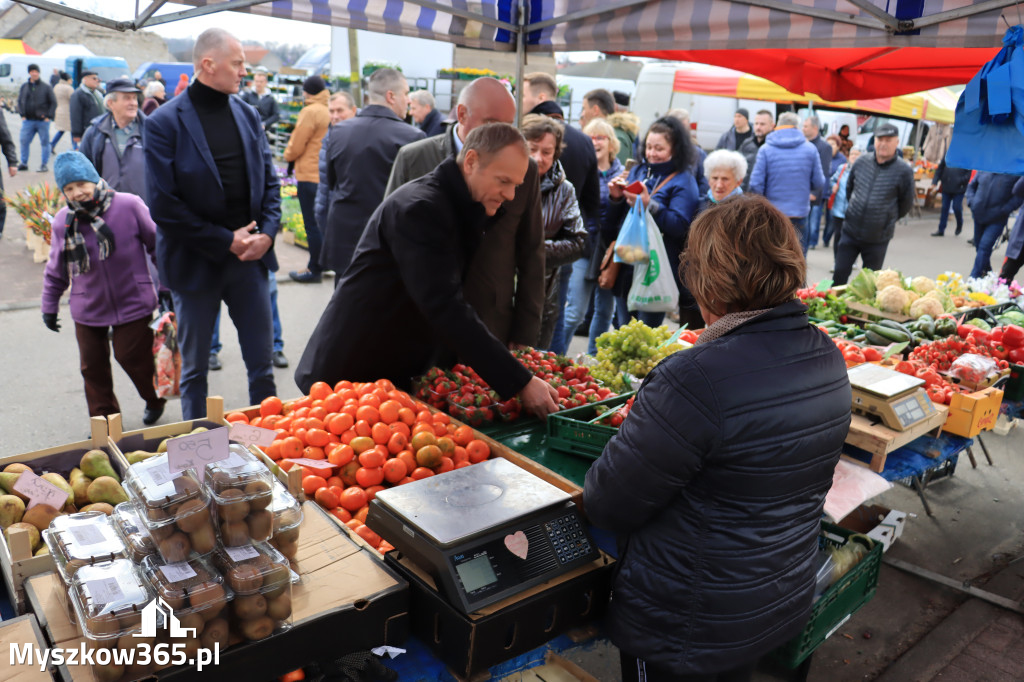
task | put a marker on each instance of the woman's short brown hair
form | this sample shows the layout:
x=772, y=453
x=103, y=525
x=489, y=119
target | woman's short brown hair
x=741, y=255
x=536, y=126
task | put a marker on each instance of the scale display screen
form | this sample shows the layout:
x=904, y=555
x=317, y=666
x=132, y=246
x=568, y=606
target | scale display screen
x=476, y=573
x=910, y=411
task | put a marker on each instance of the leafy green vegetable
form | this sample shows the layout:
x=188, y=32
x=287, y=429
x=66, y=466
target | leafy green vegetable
x=980, y=324
x=862, y=287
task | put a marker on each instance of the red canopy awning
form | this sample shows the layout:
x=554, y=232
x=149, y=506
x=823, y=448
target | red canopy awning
x=846, y=73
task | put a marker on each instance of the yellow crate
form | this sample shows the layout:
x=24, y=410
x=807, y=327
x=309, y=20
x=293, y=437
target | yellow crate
x=972, y=413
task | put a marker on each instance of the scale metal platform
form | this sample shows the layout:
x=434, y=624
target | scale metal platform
x=895, y=398
x=484, y=532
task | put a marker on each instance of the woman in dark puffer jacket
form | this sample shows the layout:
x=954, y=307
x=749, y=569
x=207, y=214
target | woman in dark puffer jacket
x=715, y=483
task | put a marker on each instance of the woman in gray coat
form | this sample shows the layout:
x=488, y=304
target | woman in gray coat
x=62, y=119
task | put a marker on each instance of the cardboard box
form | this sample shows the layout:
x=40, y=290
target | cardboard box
x=471, y=644
x=972, y=413
x=347, y=601
x=19, y=632
x=16, y=560
x=879, y=523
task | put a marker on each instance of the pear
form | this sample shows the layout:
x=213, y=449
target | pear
x=199, y=429
x=40, y=516
x=12, y=508
x=7, y=481
x=35, y=539
x=106, y=489
x=163, y=446
x=58, y=481
x=42, y=551
x=17, y=468
x=95, y=463
x=137, y=456
x=80, y=486
x=100, y=507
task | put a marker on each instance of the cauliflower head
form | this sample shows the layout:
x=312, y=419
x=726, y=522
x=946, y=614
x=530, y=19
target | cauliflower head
x=926, y=306
x=885, y=278
x=922, y=285
x=892, y=299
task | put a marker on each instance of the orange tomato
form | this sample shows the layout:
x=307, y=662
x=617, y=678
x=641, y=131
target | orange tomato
x=319, y=390
x=389, y=410
x=360, y=514
x=343, y=385
x=408, y=459
x=441, y=418
x=236, y=417
x=372, y=491
x=353, y=523
x=402, y=428
x=446, y=465
x=348, y=472
x=333, y=403
x=396, y=443
x=370, y=400
x=349, y=436
x=380, y=433
x=395, y=470
x=362, y=444
x=447, y=445
x=310, y=484
x=424, y=417
x=363, y=428
x=407, y=416
x=353, y=498
x=301, y=413
x=372, y=459
x=335, y=481
x=273, y=450
x=367, y=477
x=342, y=514
x=313, y=452
x=256, y=421
x=304, y=401
x=291, y=447
x=407, y=479
x=317, y=437
x=422, y=439
x=420, y=473
x=463, y=435
x=318, y=412
x=371, y=538
x=343, y=454
x=368, y=413
x=463, y=465
x=326, y=498
x=385, y=385
x=460, y=455
x=478, y=451
x=340, y=423
x=424, y=428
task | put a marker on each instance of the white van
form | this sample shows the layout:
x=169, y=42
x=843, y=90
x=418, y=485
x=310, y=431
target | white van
x=710, y=115
x=14, y=68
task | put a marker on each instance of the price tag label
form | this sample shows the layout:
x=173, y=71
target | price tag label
x=39, y=491
x=175, y=573
x=196, y=450
x=160, y=475
x=242, y=553
x=105, y=591
x=313, y=463
x=87, y=535
x=251, y=435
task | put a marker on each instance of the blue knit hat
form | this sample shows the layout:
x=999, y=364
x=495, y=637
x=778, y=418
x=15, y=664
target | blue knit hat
x=73, y=167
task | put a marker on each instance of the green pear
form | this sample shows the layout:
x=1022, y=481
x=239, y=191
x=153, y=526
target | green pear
x=7, y=481
x=58, y=481
x=95, y=464
x=44, y=549
x=80, y=484
x=137, y=456
x=108, y=490
x=12, y=508
x=35, y=539
x=17, y=468
x=163, y=446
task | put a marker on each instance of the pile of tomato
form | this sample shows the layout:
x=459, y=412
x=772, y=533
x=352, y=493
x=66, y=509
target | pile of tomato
x=366, y=437
x=615, y=417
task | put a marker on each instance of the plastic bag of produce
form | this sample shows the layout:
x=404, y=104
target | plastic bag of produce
x=631, y=246
x=654, y=289
x=166, y=356
x=974, y=370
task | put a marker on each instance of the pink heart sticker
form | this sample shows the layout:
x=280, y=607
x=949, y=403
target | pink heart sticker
x=517, y=544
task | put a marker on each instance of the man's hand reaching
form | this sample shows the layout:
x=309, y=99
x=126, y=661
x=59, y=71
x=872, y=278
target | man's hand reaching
x=238, y=243
x=539, y=398
x=255, y=246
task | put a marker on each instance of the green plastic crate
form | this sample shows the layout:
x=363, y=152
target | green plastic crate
x=837, y=603
x=569, y=432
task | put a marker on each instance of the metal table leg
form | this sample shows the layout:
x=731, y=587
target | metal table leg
x=970, y=455
x=984, y=449
x=916, y=480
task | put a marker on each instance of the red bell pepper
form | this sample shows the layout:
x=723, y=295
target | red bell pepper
x=996, y=335
x=1016, y=356
x=1013, y=336
x=998, y=350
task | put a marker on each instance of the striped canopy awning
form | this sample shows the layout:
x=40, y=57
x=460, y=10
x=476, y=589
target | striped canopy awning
x=10, y=46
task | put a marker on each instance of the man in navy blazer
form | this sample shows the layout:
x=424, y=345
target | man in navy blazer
x=215, y=198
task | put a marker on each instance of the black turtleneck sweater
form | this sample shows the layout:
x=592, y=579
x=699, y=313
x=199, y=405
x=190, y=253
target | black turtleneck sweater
x=225, y=144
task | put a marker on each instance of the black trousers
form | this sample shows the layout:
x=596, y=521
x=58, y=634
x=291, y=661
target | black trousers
x=872, y=255
x=1010, y=268
x=636, y=670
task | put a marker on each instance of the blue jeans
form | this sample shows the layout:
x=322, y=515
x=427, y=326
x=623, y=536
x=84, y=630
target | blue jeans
x=604, y=305
x=826, y=237
x=814, y=224
x=559, y=344
x=957, y=202
x=216, y=345
x=577, y=302
x=245, y=289
x=800, y=225
x=306, y=193
x=985, y=237
x=30, y=129
x=651, y=319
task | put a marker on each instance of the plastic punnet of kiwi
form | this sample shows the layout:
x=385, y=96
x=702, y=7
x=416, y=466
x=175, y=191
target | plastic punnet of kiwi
x=78, y=540
x=152, y=485
x=108, y=600
x=188, y=587
x=129, y=526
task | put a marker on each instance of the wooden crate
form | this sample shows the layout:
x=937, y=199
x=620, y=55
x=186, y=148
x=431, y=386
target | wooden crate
x=880, y=440
x=292, y=479
x=16, y=560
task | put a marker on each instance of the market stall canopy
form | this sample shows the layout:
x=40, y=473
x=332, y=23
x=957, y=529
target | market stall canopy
x=8, y=46
x=934, y=106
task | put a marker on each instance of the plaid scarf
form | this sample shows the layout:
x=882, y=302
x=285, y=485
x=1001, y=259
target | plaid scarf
x=76, y=256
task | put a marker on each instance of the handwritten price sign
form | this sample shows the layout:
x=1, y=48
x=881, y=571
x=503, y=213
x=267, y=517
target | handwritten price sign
x=312, y=463
x=251, y=435
x=39, y=491
x=196, y=450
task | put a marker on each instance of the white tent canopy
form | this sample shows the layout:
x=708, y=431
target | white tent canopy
x=65, y=50
x=620, y=25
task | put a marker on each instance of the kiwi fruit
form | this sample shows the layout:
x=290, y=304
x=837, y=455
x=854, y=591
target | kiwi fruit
x=204, y=540
x=175, y=548
x=287, y=547
x=260, y=524
x=245, y=579
x=215, y=634
x=173, y=596
x=130, y=619
x=290, y=535
x=102, y=626
x=260, y=495
x=232, y=505
x=275, y=580
x=192, y=621
x=234, y=533
x=249, y=606
x=280, y=608
x=208, y=599
x=259, y=628
x=192, y=515
x=156, y=514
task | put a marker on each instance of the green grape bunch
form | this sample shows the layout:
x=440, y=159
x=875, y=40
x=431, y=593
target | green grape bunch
x=634, y=348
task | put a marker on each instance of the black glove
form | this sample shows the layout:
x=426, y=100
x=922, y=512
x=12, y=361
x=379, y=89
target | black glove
x=166, y=302
x=50, y=320
x=361, y=666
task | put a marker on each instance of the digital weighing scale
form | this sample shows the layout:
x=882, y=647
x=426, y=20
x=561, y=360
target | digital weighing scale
x=896, y=398
x=484, y=532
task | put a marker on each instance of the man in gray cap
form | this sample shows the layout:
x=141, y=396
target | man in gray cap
x=114, y=140
x=37, y=105
x=880, y=191
x=86, y=104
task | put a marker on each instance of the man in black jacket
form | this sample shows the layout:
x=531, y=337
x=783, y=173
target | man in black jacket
x=954, y=186
x=407, y=274
x=812, y=131
x=360, y=153
x=425, y=115
x=261, y=98
x=86, y=104
x=764, y=123
x=37, y=105
x=881, y=191
x=9, y=151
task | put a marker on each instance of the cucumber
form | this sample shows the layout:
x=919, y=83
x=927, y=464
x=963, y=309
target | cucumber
x=876, y=339
x=893, y=335
x=891, y=324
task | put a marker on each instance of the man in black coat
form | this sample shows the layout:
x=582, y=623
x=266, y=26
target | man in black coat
x=11, y=153
x=812, y=131
x=425, y=115
x=954, y=186
x=86, y=104
x=360, y=153
x=37, y=105
x=261, y=98
x=400, y=303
